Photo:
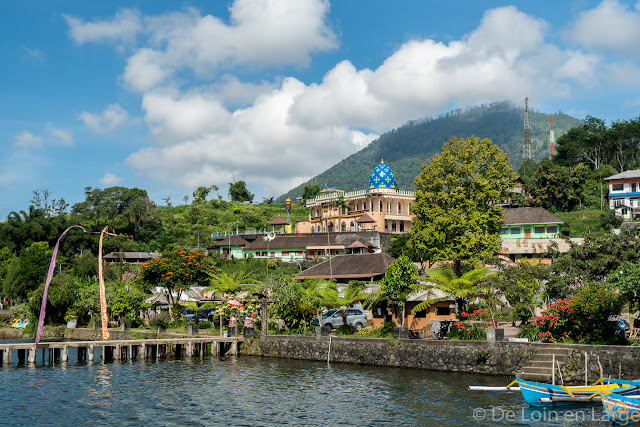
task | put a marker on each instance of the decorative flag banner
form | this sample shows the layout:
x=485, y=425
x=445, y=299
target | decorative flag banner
x=52, y=266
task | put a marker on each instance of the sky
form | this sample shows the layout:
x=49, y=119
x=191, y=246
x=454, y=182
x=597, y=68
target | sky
x=168, y=96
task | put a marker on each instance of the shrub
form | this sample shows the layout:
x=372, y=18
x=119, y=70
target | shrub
x=162, y=319
x=385, y=331
x=460, y=331
x=204, y=325
x=346, y=330
x=585, y=318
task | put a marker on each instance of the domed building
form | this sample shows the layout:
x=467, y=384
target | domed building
x=381, y=207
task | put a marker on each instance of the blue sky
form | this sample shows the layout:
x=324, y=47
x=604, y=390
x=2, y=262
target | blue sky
x=168, y=96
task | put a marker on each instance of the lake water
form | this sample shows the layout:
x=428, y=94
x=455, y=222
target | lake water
x=253, y=391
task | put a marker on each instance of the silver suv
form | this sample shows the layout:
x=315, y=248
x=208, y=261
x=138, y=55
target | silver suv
x=333, y=318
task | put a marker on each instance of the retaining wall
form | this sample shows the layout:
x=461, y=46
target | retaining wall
x=496, y=358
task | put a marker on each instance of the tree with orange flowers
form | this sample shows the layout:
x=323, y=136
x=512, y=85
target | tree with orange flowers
x=175, y=272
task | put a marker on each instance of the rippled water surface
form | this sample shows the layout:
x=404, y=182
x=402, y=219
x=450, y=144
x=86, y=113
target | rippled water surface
x=261, y=391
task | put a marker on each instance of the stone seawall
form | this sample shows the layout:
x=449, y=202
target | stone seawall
x=457, y=356
x=482, y=357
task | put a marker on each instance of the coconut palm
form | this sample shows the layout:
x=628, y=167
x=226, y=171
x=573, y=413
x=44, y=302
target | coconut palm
x=444, y=279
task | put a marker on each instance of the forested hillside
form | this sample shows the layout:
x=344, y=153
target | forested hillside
x=407, y=147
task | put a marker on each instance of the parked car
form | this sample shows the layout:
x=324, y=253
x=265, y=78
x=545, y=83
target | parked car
x=206, y=314
x=333, y=318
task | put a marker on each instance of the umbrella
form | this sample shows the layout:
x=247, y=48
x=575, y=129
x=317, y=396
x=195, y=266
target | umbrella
x=235, y=303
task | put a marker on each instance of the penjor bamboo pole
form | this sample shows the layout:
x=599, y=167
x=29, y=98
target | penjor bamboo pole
x=103, y=295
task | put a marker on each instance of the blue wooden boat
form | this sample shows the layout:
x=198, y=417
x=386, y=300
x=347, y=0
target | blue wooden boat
x=621, y=409
x=542, y=394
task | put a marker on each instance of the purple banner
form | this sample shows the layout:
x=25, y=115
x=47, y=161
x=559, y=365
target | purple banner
x=52, y=267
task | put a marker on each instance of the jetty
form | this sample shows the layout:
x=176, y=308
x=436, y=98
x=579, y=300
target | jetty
x=119, y=350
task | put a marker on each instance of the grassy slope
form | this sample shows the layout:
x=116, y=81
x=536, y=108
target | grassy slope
x=582, y=223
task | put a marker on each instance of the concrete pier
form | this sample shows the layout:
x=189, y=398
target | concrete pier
x=121, y=350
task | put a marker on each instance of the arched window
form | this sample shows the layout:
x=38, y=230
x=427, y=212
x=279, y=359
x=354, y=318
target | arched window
x=343, y=226
x=330, y=227
x=399, y=208
x=318, y=229
x=352, y=226
x=381, y=206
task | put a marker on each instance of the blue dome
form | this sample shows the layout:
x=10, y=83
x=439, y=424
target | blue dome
x=382, y=177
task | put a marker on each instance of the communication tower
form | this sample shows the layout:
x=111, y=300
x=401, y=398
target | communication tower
x=526, y=146
x=552, y=141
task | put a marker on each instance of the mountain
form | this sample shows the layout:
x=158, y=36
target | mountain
x=406, y=148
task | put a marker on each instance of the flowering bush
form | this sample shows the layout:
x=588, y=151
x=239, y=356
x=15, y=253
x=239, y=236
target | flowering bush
x=176, y=271
x=583, y=318
x=459, y=331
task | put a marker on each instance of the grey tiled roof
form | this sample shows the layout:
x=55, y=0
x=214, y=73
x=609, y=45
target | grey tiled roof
x=626, y=174
x=306, y=240
x=529, y=216
x=363, y=266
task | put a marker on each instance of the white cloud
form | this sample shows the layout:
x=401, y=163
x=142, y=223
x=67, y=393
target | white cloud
x=261, y=33
x=109, y=179
x=200, y=143
x=609, y=26
x=505, y=57
x=60, y=136
x=113, y=117
x=27, y=140
x=34, y=53
x=123, y=27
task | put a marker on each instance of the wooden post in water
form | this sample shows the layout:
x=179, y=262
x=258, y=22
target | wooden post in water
x=215, y=348
x=265, y=316
x=64, y=354
x=143, y=352
x=7, y=356
x=32, y=355
x=90, y=351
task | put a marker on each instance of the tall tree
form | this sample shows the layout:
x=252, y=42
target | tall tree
x=238, y=192
x=396, y=285
x=310, y=191
x=457, y=192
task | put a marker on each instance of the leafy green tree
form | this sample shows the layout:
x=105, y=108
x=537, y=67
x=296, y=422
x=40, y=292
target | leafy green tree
x=85, y=265
x=128, y=303
x=28, y=271
x=238, y=192
x=460, y=289
x=457, y=192
x=626, y=280
x=522, y=285
x=61, y=296
x=527, y=169
x=201, y=193
x=310, y=191
x=396, y=285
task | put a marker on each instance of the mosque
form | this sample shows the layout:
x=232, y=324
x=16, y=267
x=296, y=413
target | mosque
x=381, y=207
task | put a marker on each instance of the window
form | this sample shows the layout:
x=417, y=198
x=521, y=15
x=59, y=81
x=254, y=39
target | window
x=625, y=211
x=263, y=254
x=420, y=315
x=515, y=230
x=285, y=253
x=272, y=254
x=443, y=311
x=617, y=203
x=380, y=205
x=504, y=230
x=633, y=187
x=552, y=229
x=299, y=253
x=399, y=208
x=538, y=230
x=617, y=187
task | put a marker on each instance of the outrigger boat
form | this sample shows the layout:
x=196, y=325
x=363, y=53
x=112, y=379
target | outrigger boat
x=541, y=394
x=621, y=409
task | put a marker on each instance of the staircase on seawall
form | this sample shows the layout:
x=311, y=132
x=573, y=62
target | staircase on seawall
x=540, y=366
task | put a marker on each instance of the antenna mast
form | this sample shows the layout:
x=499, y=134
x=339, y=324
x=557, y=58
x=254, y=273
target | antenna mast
x=526, y=146
x=552, y=141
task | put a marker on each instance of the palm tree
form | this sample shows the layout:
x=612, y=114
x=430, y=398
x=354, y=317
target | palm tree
x=460, y=289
